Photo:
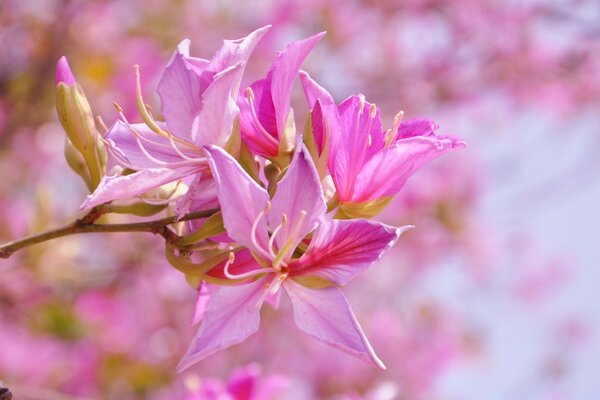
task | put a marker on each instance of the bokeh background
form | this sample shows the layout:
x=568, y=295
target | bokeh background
x=495, y=294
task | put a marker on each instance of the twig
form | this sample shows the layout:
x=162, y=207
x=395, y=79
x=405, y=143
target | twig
x=86, y=225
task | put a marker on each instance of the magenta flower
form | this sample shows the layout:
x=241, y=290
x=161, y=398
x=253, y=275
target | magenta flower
x=265, y=118
x=369, y=166
x=279, y=251
x=198, y=103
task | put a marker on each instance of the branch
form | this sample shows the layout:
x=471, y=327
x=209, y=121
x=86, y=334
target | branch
x=86, y=225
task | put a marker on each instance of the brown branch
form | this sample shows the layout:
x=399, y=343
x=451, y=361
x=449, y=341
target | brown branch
x=86, y=225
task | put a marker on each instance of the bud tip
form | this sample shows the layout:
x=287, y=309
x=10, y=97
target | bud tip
x=63, y=72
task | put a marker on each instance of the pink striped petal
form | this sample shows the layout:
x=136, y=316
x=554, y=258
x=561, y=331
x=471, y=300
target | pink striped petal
x=325, y=314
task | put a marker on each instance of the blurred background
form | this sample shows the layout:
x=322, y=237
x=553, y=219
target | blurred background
x=493, y=296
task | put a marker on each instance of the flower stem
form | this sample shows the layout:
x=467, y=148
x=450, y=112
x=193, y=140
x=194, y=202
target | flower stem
x=87, y=224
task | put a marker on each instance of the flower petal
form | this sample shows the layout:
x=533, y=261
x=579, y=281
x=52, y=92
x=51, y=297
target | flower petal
x=299, y=191
x=235, y=51
x=119, y=187
x=340, y=249
x=214, y=122
x=283, y=73
x=254, y=135
x=416, y=127
x=386, y=172
x=231, y=316
x=123, y=143
x=242, y=199
x=179, y=92
x=326, y=315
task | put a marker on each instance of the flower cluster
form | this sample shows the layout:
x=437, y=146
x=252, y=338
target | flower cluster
x=292, y=211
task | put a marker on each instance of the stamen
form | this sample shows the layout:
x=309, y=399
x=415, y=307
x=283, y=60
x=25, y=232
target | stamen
x=283, y=252
x=181, y=154
x=361, y=103
x=255, y=243
x=139, y=138
x=274, y=235
x=372, y=114
x=390, y=135
x=276, y=284
x=248, y=274
x=261, y=128
x=100, y=122
x=142, y=107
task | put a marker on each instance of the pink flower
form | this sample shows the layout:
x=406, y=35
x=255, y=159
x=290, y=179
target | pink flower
x=277, y=254
x=198, y=103
x=369, y=166
x=265, y=106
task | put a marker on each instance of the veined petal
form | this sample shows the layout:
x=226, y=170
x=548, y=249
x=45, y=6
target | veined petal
x=126, y=146
x=386, y=172
x=236, y=51
x=340, y=249
x=232, y=314
x=313, y=92
x=324, y=113
x=416, y=127
x=204, y=292
x=298, y=195
x=179, y=92
x=119, y=187
x=201, y=195
x=214, y=122
x=242, y=199
x=259, y=125
x=326, y=315
x=283, y=73
x=362, y=137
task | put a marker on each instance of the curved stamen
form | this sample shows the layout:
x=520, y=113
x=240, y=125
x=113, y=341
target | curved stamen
x=139, y=138
x=180, y=153
x=255, y=243
x=261, y=128
x=274, y=235
x=390, y=135
x=142, y=106
x=248, y=274
x=281, y=258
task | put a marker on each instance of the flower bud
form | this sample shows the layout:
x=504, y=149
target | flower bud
x=76, y=117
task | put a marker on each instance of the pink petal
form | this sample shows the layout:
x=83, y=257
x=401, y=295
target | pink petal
x=125, y=146
x=283, y=73
x=385, y=173
x=242, y=199
x=121, y=187
x=299, y=191
x=324, y=112
x=201, y=195
x=416, y=127
x=179, y=91
x=214, y=122
x=204, y=292
x=265, y=111
x=232, y=315
x=340, y=249
x=362, y=137
x=235, y=51
x=326, y=315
